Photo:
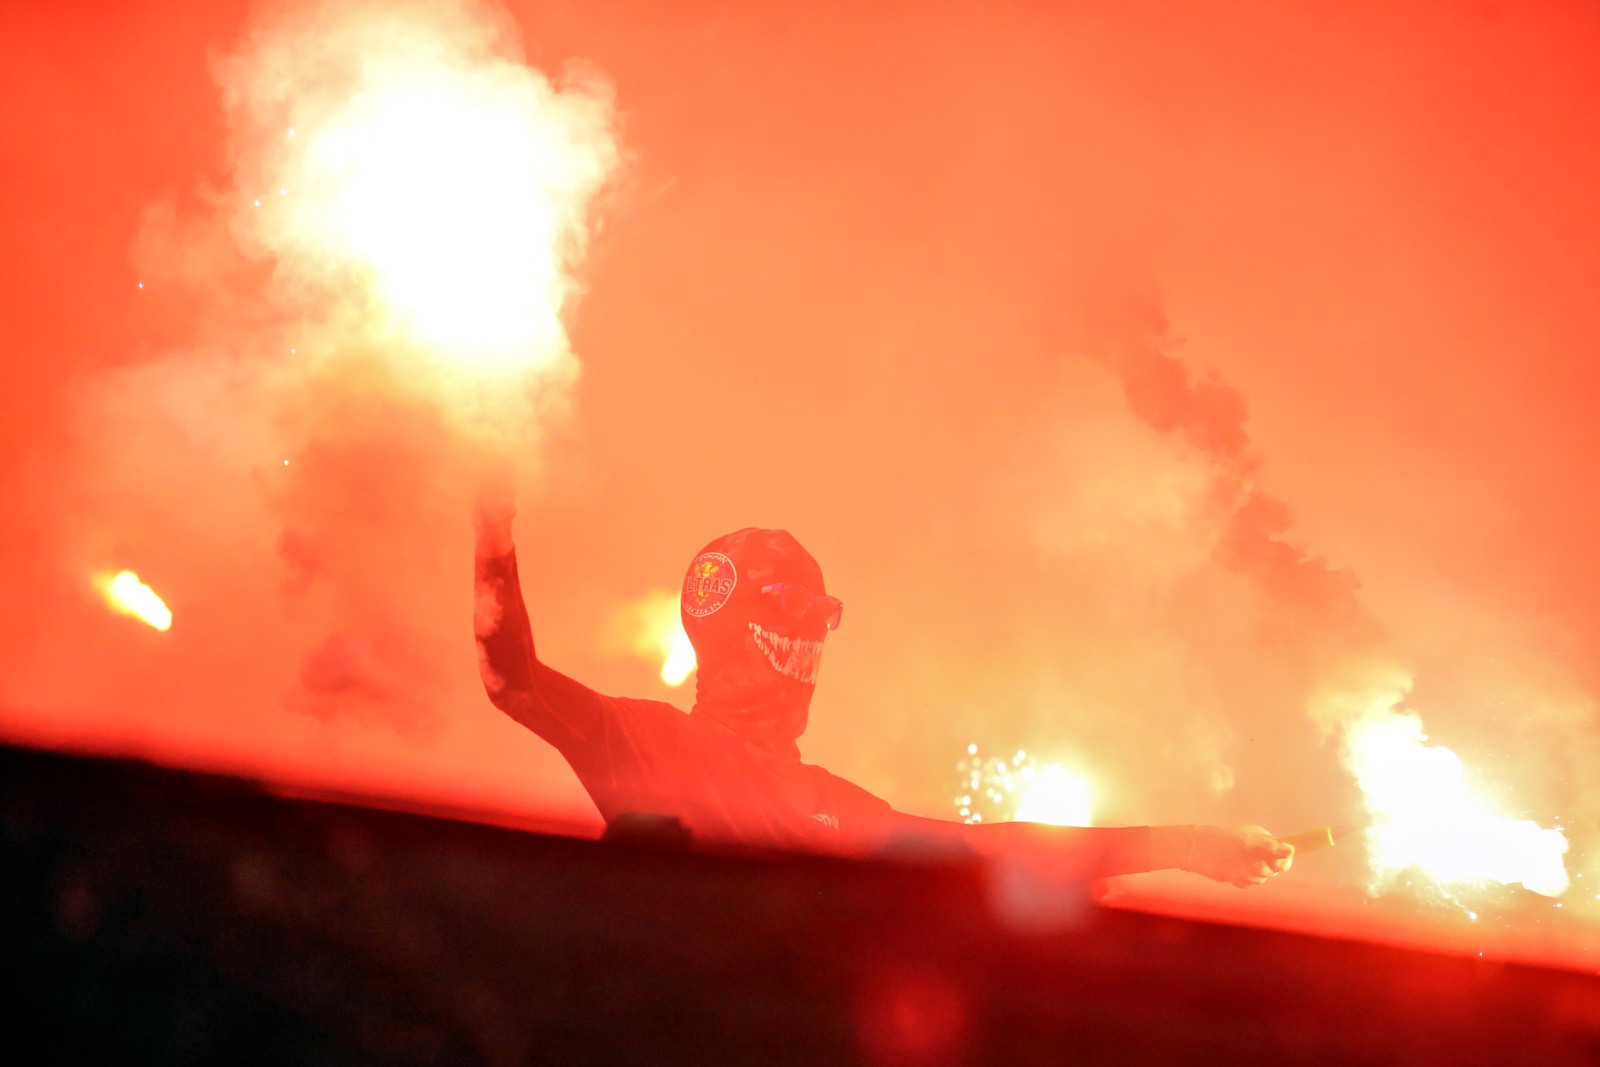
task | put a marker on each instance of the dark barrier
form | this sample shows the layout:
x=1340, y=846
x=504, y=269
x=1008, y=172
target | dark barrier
x=160, y=916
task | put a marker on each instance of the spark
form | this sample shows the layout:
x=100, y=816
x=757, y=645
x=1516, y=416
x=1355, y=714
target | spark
x=125, y=594
x=1020, y=789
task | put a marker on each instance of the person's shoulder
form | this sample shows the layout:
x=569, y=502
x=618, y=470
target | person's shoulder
x=846, y=794
x=643, y=707
x=649, y=723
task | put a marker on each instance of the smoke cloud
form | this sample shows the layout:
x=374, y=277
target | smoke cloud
x=379, y=294
x=845, y=291
x=1429, y=817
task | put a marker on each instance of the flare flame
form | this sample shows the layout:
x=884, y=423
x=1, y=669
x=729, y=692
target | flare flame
x=1021, y=789
x=125, y=594
x=1054, y=795
x=656, y=633
x=1433, y=820
x=421, y=183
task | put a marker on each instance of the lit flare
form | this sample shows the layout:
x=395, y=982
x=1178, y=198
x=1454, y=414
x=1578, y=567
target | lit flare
x=1020, y=789
x=657, y=634
x=412, y=166
x=1053, y=795
x=1434, y=821
x=125, y=594
x=680, y=661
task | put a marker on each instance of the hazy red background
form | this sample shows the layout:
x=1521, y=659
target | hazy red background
x=844, y=286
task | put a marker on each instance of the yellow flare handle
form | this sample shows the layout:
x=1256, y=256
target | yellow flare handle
x=1327, y=836
x=1311, y=840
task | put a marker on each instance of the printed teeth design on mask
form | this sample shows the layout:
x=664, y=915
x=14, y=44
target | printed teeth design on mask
x=794, y=657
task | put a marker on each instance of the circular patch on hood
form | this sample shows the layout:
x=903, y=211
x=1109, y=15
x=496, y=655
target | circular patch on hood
x=709, y=584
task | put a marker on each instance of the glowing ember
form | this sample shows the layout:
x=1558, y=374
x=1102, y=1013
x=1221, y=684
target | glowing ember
x=657, y=634
x=1020, y=789
x=1434, y=822
x=416, y=156
x=125, y=594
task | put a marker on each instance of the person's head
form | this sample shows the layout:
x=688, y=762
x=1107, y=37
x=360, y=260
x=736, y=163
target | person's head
x=756, y=610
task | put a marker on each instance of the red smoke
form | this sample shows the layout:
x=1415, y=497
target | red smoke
x=1307, y=601
x=815, y=300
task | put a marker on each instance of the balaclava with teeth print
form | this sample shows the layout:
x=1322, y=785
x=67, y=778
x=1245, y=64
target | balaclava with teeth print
x=756, y=666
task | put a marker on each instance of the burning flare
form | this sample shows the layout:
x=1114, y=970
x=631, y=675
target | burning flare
x=656, y=632
x=1021, y=790
x=409, y=171
x=1053, y=795
x=680, y=661
x=1432, y=820
x=125, y=594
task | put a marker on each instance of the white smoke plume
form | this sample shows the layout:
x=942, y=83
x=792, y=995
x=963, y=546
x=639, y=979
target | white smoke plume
x=377, y=302
x=417, y=188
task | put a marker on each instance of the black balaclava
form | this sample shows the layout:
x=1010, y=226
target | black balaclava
x=757, y=667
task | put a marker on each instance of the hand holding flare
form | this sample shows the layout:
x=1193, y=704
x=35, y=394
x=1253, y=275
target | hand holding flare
x=1242, y=855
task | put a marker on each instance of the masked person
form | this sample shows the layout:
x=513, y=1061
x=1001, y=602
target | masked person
x=756, y=610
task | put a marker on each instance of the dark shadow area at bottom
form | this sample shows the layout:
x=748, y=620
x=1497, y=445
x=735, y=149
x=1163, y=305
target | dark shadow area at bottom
x=149, y=915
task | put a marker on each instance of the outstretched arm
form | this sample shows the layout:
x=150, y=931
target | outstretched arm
x=558, y=709
x=1243, y=855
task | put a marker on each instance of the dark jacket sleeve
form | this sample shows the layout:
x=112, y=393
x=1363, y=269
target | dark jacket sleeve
x=1076, y=851
x=565, y=713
